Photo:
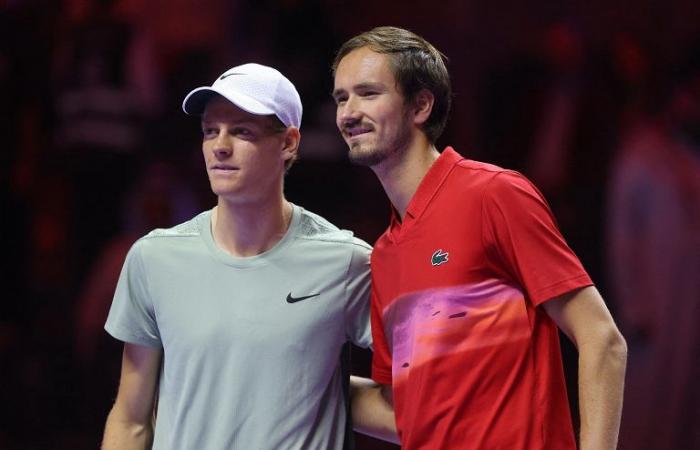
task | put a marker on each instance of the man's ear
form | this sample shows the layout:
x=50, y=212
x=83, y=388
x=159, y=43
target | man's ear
x=292, y=137
x=423, y=106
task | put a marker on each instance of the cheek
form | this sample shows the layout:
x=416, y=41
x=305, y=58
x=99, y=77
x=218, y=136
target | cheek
x=256, y=159
x=206, y=147
x=385, y=113
x=338, y=118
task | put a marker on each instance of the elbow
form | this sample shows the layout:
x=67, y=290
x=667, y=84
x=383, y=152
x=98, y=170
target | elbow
x=607, y=344
x=616, y=346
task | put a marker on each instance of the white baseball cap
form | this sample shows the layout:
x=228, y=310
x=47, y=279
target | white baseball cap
x=254, y=88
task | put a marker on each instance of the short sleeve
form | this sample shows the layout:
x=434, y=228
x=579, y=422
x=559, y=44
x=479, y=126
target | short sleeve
x=521, y=236
x=132, y=317
x=357, y=288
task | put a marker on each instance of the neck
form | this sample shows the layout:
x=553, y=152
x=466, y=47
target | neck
x=249, y=229
x=402, y=172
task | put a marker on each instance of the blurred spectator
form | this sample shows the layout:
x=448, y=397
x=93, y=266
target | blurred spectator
x=39, y=366
x=23, y=126
x=554, y=113
x=654, y=243
x=106, y=87
x=24, y=89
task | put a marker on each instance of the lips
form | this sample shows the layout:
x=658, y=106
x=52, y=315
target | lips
x=354, y=131
x=223, y=168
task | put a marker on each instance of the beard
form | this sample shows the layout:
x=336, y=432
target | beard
x=374, y=154
x=363, y=156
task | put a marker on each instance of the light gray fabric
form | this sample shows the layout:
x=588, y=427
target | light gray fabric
x=242, y=367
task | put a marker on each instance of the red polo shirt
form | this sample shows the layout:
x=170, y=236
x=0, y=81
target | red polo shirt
x=473, y=361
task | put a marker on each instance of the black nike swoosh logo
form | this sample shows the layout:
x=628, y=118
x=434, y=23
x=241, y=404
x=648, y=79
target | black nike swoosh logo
x=291, y=299
x=229, y=74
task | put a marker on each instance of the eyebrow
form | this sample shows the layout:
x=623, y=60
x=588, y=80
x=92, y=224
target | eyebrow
x=359, y=87
x=270, y=126
x=234, y=122
x=337, y=92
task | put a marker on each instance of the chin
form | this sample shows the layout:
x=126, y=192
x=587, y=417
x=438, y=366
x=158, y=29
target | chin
x=366, y=157
x=223, y=191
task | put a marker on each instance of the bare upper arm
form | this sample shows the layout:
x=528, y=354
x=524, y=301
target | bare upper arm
x=138, y=383
x=583, y=316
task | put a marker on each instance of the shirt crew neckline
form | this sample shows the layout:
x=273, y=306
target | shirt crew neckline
x=427, y=188
x=205, y=228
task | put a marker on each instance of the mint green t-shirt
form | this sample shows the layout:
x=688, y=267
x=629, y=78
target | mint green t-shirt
x=251, y=346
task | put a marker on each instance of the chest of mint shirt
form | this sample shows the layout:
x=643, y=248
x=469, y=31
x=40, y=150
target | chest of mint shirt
x=243, y=367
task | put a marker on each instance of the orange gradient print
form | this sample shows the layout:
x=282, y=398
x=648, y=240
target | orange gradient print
x=422, y=327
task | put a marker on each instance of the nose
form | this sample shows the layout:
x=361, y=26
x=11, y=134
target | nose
x=223, y=147
x=347, y=112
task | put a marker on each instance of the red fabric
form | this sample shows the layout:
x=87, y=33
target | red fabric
x=474, y=363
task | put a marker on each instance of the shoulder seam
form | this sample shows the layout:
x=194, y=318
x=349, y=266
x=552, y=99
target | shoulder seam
x=351, y=241
x=487, y=167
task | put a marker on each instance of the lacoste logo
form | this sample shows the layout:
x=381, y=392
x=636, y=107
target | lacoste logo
x=229, y=74
x=291, y=299
x=439, y=257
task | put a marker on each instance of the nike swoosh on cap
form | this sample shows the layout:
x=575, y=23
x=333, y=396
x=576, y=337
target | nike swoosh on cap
x=229, y=74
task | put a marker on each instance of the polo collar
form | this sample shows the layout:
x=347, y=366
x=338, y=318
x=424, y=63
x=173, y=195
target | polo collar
x=428, y=187
x=432, y=181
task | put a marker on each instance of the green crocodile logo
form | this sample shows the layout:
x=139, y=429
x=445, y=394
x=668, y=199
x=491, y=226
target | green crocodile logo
x=439, y=257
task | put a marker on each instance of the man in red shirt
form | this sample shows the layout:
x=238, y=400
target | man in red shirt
x=472, y=277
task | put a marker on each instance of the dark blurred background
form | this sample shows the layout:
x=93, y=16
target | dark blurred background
x=598, y=102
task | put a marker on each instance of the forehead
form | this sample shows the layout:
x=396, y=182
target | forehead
x=363, y=65
x=220, y=109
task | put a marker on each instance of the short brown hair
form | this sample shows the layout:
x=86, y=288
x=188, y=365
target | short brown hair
x=416, y=65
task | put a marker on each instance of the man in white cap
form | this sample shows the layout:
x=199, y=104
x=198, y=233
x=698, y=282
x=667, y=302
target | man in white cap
x=235, y=319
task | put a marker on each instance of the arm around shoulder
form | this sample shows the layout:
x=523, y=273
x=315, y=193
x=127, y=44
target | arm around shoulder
x=373, y=409
x=130, y=422
x=584, y=318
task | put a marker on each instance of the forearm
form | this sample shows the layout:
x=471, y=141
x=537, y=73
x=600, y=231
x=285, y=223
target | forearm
x=372, y=409
x=124, y=434
x=601, y=386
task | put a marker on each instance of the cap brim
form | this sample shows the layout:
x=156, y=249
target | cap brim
x=197, y=99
